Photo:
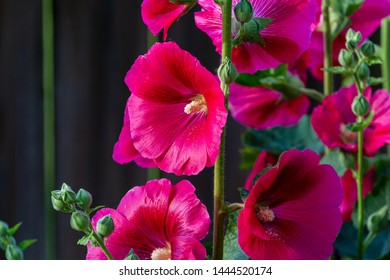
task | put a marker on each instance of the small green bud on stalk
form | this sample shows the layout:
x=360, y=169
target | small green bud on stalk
x=3, y=229
x=368, y=48
x=79, y=221
x=347, y=58
x=227, y=72
x=105, y=226
x=67, y=194
x=377, y=221
x=360, y=106
x=351, y=44
x=352, y=35
x=13, y=252
x=363, y=72
x=84, y=199
x=243, y=11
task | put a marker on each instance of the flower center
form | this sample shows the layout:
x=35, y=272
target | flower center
x=264, y=214
x=162, y=253
x=197, y=105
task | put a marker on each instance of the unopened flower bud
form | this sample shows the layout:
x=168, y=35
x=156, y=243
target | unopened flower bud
x=84, y=199
x=377, y=221
x=368, y=48
x=13, y=252
x=347, y=58
x=352, y=35
x=243, y=11
x=67, y=194
x=105, y=226
x=351, y=44
x=363, y=72
x=227, y=72
x=3, y=229
x=360, y=105
x=79, y=221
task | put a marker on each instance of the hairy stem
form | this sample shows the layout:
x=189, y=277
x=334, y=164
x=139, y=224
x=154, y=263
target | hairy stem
x=328, y=49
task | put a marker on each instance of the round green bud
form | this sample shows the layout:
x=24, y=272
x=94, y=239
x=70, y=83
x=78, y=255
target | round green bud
x=13, y=252
x=84, y=199
x=227, y=72
x=79, y=221
x=363, y=72
x=243, y=11
x=67, y=194
x=360, y=105
x=368, y=48
x=3, y=229
x=105, y=226
x=377, y=221
x=351, y=44
x=347, y=58
x=352, y=35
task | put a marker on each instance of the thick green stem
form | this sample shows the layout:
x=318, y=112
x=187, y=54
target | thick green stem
x=48, y=126
x=360, y=210
x=385, y=45
x=328, y=49
x=101, y=245
x=219, y=173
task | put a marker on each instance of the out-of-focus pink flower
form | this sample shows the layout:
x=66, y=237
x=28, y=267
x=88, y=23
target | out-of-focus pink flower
x=366, y=20
x=176, y=110
x=158, y=221
x=329, y=120
x=281, y=44
x=262, y=108
x=293, y=210
x=264, y=160
x=160, y=14
x=349, y=185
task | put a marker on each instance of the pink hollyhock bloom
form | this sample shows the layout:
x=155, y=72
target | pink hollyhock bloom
x=158, y=221
x=124, y=150
x=160, y=14
x=176, y=110
x=293, y=210
x=281, y=45
x=366, y=20
x=264, y=160
x=329, y=120
x=262, y=108
x=349, y=185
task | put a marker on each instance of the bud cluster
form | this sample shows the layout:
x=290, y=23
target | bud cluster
x=67, y=201
x=13, y=251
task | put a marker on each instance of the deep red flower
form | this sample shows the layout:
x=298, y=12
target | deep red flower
x=176, y=110
x=329, y=120
x=158, y=221
x=349, y=185
x=281, y=45
x=293, y=210
x=160, y=14
x=262, y=108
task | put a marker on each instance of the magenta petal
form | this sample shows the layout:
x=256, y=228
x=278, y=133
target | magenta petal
x=187, y=248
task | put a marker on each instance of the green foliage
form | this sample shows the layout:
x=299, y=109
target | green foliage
x=338, y=160
x=232, y=250
x=279, y=139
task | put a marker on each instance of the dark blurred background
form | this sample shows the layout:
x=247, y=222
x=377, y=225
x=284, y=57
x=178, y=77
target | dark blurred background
x=96, y=42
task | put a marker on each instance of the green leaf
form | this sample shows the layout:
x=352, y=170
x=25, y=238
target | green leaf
x=279, y=139
x=26, y=243
x=84, y=240
x=359, y=126
x=232, y=250
x=337, y=70
x=14, y=229
x=262, y=77
x=248, y=157
x=132, y=256
x=263, y=22
x=372, y=81
x=243, y=193
x=337, y=159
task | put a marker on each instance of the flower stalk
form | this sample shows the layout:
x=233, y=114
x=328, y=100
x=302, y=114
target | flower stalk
x=328, y=48
x=219, y=172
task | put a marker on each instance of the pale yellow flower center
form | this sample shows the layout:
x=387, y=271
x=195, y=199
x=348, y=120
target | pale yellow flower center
x=197, y=105
x=162, y=253
x=264, y=214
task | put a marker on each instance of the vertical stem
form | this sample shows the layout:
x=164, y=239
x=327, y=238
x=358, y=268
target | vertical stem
x=219, y=173
x=360, y=210
x=328, y=49
x=385, y=44
x=48, y=125
x=100, y=241
x=152, y=173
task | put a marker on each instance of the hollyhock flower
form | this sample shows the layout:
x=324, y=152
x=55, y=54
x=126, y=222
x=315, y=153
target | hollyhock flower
x=160, y=14
x=262, y=108
x=124, y=150
x=280, y=44
x=366, y=20
x=264, y=160
x=329, y=120
x=348, y=183
x=293, y=210
x=176, y=110
x=158, y=221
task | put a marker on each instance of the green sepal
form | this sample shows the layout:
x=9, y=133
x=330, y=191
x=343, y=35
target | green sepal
x=84, y=240
x=26, y=243
x=360, y=126
x=244, y=193
x=14, y=229
x=131, y=256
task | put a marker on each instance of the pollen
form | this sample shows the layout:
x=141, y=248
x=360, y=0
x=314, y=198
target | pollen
x=162, y=253
x=197, y=105
x=264, y=214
